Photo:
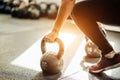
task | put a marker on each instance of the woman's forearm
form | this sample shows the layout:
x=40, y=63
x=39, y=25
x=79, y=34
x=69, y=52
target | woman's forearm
x=63, y=13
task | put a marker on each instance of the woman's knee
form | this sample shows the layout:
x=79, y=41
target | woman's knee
x=76, y=10
x=82, y=10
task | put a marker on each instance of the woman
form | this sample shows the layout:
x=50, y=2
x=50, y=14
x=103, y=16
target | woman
x=86, y=14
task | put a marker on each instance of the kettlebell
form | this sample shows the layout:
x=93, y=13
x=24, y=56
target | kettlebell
x=51, y=62
x=34, y=11
x=43, y=9
x=52, y=10
x=91, y=48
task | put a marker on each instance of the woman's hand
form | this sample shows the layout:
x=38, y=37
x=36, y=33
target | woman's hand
x=51, y=36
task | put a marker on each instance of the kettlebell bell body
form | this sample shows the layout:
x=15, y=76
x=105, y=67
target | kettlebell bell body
x=92, y=49
x=52, y=62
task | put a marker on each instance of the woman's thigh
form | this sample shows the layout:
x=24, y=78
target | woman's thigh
x=104, y=11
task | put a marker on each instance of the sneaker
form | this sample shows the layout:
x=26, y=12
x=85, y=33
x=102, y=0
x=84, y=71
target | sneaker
x=106, y=64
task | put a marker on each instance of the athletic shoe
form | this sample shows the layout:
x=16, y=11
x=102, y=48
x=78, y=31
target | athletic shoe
x=106, y=64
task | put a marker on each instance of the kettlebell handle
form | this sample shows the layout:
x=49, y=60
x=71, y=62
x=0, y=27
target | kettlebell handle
x=60, y=43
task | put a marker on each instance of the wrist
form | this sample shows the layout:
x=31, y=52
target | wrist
x=56, y=31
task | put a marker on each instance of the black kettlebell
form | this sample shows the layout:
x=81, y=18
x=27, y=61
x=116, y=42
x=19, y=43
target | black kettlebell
x=52, y=10
x=43, y=9
x=2, y=6
x=7, y=6
x=51, y=62
x=21, y=11
x=34, y=11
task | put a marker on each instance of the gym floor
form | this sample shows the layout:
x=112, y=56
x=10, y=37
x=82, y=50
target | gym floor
x=20, y=51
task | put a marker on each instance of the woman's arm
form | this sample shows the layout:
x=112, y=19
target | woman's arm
x=63, y=13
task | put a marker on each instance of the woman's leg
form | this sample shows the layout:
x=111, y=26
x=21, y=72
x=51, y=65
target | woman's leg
x=85, y=17
x=86, y=14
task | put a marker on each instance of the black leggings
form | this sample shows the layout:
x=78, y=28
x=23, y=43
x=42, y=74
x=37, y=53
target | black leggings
x=87, y=13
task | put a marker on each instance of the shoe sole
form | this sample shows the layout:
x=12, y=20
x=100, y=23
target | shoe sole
x=107, y=68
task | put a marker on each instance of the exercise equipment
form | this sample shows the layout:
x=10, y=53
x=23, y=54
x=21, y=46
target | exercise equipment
x=6, y=6
x=51, y=62
x=1, y=6
x=16, y=3
x=43, y=9
x=21, y=11
x=52, y=10
x=27, y=11
x=91, y=49
x=48, y=10
x=34, y=10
